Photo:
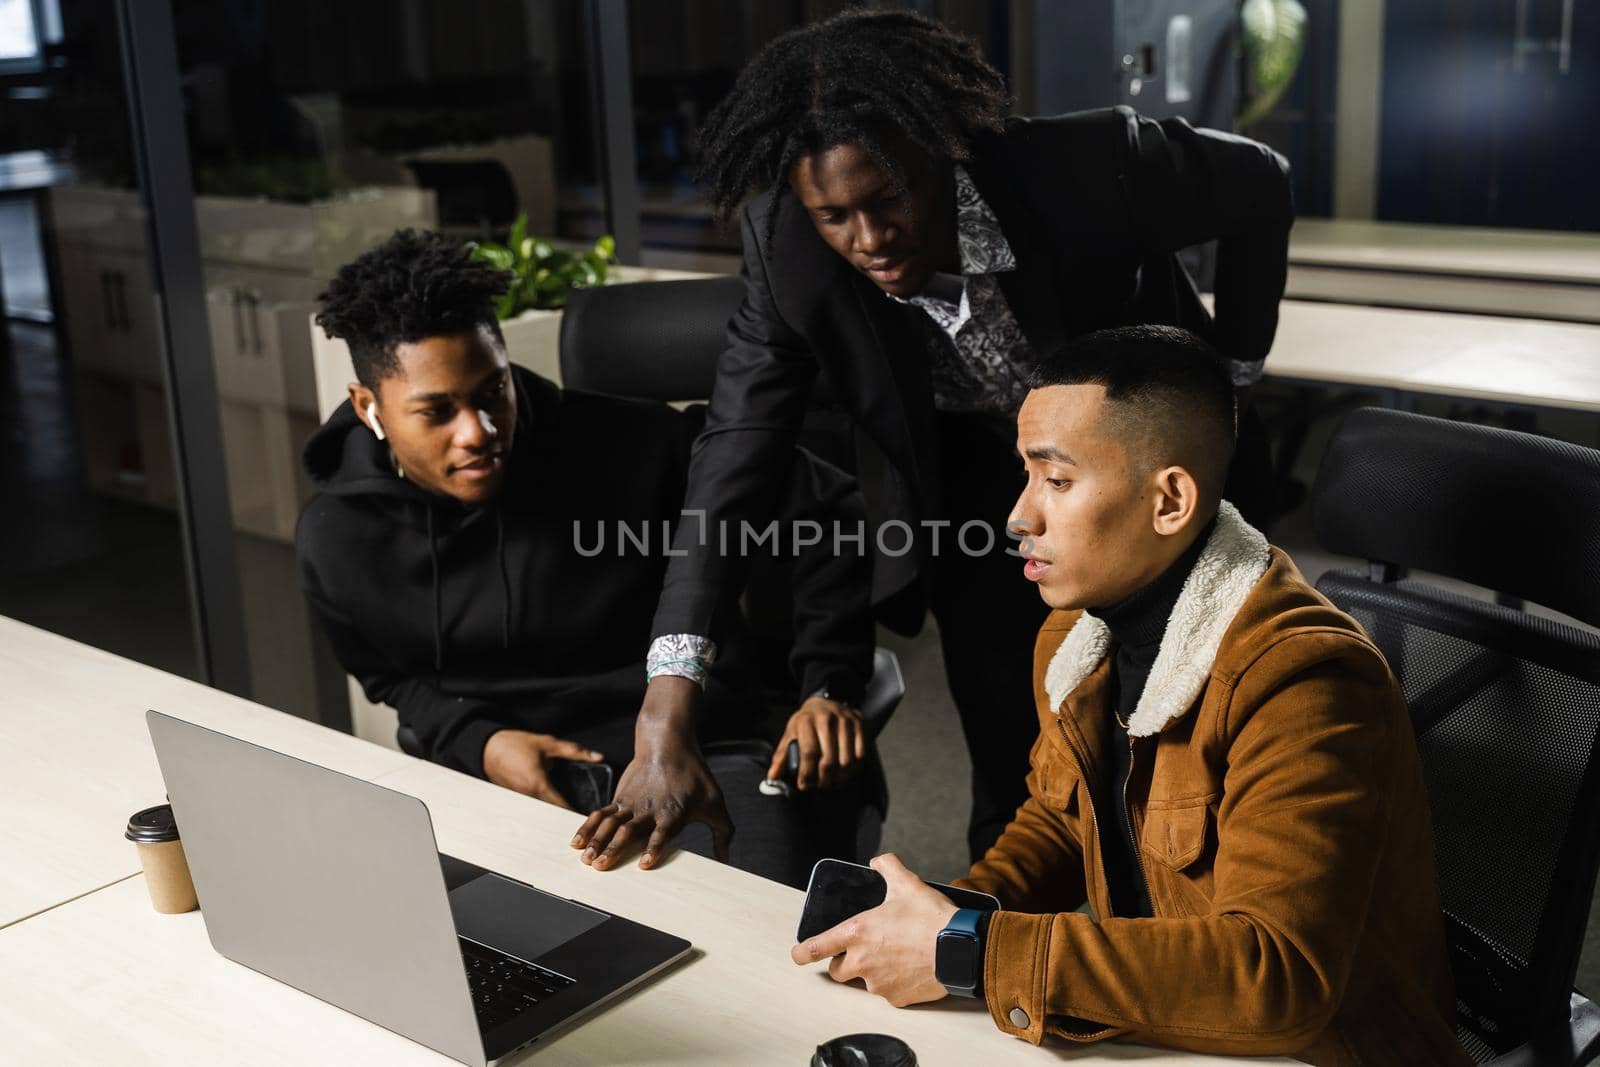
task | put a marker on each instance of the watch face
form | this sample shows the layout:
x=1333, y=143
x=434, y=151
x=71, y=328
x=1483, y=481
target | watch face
x=955, y=960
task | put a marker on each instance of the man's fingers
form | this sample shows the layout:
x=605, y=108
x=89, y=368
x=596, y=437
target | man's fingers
x=826, y=747
x=892, y=869
x=775, y=768
x=859, y=732
x=830, y=942
x=842, y=968
x=665, y=831
x=721, y=831
x=596, y=817
x=543, y=790
x=806, y=734
x=847, y=731
x=573, y=751
x=613, y=852
x=602, y=834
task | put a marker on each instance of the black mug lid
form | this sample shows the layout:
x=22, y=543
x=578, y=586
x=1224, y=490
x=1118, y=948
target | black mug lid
x=864, y=1050
x=153, y=826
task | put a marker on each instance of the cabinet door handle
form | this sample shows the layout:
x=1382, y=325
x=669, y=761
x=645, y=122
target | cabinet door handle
x=254, y=299
x=238, y=320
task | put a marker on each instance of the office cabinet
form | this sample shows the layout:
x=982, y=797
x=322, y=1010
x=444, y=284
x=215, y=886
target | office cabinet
x=264, y=262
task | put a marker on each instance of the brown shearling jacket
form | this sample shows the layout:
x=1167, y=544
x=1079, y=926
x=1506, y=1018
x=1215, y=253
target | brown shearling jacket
x=1280, y=820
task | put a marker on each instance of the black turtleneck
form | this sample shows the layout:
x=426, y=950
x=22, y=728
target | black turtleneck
x=1137, y=625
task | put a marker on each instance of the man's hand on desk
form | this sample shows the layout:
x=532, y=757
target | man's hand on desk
x=521, y=761
x=833, y=743
x=891, y=947
x=665, y=788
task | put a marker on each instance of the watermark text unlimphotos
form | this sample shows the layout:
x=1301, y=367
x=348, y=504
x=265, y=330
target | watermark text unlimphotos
x=741, y=538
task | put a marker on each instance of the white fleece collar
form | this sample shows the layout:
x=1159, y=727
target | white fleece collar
x=1234, y=559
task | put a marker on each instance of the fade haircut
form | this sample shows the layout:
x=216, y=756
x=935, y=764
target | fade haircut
x=415, y=285
x=1169, y=398
x=874, y=79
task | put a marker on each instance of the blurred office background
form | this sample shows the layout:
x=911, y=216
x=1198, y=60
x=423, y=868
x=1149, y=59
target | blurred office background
x=158, y=263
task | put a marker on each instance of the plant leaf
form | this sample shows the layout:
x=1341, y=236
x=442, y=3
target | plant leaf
x=1274, y=39
x=498, y=256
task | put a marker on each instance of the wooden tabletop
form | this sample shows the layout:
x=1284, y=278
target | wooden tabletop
x=96, y=976
x=76, y=760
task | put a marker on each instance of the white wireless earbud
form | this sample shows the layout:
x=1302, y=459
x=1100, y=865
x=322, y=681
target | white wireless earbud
x=487, y=423
x=372, y=419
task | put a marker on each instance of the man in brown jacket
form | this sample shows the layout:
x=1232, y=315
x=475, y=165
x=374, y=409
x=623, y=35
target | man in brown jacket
x=1225, y=770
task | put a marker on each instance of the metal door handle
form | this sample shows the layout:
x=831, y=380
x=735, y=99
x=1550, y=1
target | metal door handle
x=238, y=319
x=254, y=300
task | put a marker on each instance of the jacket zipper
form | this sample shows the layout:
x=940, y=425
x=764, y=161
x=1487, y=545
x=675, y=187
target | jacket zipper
x=1094, y=819
x=1127, y=823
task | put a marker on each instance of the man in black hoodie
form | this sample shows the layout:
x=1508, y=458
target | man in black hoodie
x=465, y=551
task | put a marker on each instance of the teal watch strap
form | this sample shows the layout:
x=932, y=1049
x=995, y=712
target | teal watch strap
x=965, y=921
x=959, y=960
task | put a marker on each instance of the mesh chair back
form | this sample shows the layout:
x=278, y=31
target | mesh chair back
x=1506, y=705
x=650, y=340
x=1506, y=708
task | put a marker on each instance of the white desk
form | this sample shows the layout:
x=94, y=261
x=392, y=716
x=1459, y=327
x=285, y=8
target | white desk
x=76, y=761
x=104, y=979
x=1513, y=361
x=1453, y=268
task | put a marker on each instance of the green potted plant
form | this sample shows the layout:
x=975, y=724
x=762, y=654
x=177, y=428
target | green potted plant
x=543, y=275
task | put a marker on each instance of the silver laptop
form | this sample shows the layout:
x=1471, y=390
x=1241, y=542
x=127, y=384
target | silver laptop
x=336, y=887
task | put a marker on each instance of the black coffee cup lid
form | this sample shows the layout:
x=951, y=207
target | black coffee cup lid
x=864, y=1050
x=153, y=826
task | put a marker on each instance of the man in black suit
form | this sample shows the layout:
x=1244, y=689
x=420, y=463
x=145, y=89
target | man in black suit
x=910, y=249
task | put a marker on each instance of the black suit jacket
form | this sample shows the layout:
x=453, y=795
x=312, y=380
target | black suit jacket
x=1094, y=205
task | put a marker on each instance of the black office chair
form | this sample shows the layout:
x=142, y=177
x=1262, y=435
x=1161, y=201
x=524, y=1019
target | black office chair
x=661, y=340
x=1506, y=705
x=653, y=340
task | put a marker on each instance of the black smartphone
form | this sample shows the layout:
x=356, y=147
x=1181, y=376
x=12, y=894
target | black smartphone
x=840, y=889
x=584, y=786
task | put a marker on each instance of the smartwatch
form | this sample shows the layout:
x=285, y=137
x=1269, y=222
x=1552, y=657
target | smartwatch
x=958, y=956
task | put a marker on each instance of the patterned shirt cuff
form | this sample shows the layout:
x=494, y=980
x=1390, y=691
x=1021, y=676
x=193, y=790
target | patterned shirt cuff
x=684, y=655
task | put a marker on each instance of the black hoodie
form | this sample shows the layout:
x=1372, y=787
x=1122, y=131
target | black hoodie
x=470, y=619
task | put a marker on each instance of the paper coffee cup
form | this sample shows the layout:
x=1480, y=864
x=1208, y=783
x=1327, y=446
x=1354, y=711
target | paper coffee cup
x=166, y=871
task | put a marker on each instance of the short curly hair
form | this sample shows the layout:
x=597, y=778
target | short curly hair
x=868, y=78
x=416, y=284
x=1169, y=396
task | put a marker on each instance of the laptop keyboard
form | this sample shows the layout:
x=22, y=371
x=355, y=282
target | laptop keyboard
x=504, y=987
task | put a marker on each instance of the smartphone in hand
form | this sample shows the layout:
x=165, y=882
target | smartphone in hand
x=839, y=889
